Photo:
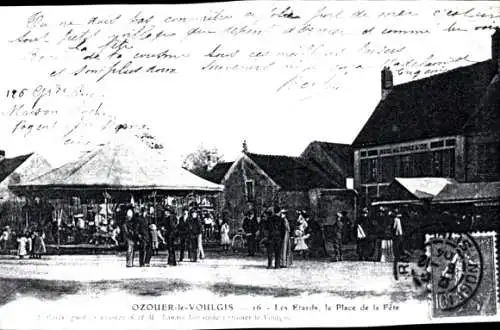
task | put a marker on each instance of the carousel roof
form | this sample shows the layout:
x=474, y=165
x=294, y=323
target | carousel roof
x=120, y=165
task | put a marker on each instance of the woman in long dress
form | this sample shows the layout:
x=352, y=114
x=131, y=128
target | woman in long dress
x=224, y=236
x=286, y=249
x=39, y=244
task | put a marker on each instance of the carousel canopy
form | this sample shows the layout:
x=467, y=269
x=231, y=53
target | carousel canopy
x=119, y=166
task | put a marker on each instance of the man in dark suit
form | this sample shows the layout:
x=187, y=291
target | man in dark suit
x=144, y=240
x=195, y=229
x=251, y=227
x=183, y=233
x=275, y=232
x=170, y=222
x=129, y=234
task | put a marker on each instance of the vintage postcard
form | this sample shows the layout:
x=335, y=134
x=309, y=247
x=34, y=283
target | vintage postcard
x=249, y=164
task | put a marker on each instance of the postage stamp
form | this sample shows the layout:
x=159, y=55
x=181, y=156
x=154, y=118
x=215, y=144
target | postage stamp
x=458, y=271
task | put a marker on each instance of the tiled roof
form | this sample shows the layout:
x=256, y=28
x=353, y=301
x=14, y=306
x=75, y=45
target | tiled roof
x=439, y=105
x=469, y=191
x=217, y=173
x=292, y=173
x=339, y=162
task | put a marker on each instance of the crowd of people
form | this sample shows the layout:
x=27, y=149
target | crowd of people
x=141, y=234
x=187, y=233
x=379, y=233
x=283, y=238
x=28, y=243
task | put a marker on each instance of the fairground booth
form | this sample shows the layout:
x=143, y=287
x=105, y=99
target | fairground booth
x=81, y=201
x=435, y=205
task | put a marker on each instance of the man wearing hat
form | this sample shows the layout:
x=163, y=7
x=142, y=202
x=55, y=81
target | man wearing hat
x=251, y=227
x=170, y=222
x=144, y=239
x=338, y=229
x=195, y=229
x=276, y=233
x=129, y=235
x=183, y=233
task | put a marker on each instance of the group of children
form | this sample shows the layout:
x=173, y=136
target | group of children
x=33, y=244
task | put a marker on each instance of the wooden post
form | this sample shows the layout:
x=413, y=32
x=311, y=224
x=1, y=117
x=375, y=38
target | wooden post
x=154, y=205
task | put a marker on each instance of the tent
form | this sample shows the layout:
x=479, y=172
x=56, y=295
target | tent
x=119, y=166
x=413, y=190
x=469, y=192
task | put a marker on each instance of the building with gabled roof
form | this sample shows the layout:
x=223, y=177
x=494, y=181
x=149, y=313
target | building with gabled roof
x=445, y=125
x=259, y=181
x=334, y=159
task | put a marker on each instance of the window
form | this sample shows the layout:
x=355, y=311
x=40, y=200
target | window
x=422, y=161
x=437, y=144
x=488, y=161
x=451, y=142
x=406, y=166
x=449, y=163
x=250, y=190
x=369, y=170
x=386, y=169
x=437, y=163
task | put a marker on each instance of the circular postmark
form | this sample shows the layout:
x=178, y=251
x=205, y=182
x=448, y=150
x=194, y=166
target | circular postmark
x=448, y=265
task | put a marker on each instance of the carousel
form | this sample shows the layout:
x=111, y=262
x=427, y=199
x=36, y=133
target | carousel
x=79, y=203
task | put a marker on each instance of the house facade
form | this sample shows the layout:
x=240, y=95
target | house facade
x=444, y=126
x=257, y=182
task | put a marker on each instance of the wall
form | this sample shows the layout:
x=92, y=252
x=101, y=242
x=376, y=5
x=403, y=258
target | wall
x=235, y=201
x=419, y=155
x=491, y=170
x=326, y=203
x=293, y=201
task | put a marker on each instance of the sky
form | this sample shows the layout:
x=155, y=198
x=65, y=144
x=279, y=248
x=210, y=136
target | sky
x=298, y=99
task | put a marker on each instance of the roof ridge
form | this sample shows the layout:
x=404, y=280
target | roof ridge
x=272, y=155
x=334, y=143
x=441, y=74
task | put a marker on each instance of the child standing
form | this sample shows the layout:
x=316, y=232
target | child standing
x=155, y=237
x=225, y=242
x=300, y=242
x=22, y=246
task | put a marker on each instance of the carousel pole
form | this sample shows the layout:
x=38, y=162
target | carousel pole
x=154, y=205
x=58, y=216
x=106, y=205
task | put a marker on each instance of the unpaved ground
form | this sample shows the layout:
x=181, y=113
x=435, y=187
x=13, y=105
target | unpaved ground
x=33, y=290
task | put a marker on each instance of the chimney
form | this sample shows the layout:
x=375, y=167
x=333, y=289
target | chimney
x=211, y=161
x=2, y=155
x=387, y=82
x=244, y=147
x=495, y=49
